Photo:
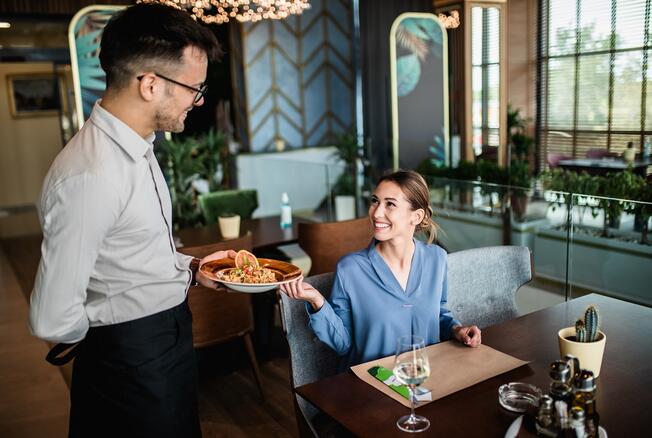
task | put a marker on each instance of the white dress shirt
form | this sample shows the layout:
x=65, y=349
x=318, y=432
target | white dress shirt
x=107, y=255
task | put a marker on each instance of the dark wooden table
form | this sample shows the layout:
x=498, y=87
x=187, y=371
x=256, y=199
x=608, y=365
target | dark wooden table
x=597, y=166
x=265, y=232
x=624, y=385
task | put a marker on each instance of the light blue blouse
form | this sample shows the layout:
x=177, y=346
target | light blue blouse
x=368, y=309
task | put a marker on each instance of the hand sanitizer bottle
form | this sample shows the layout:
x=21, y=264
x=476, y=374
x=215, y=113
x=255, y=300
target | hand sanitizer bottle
x=286, y=211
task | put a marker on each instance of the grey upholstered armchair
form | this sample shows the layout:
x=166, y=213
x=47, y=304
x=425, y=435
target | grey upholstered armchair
x=482, y=284
x=310, y=359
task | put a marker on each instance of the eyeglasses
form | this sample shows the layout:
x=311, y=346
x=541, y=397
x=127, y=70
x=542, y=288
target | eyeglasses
x=201, y=91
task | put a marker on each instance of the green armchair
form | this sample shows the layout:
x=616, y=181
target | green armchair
x=240, y=202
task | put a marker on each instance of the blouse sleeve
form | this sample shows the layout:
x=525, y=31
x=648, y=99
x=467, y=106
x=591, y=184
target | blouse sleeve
x=446, y=319
x=332, y=323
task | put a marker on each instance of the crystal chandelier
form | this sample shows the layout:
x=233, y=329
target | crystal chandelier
x=451, y=21
x=223, y=11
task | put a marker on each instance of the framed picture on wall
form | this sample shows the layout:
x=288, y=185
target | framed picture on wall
x=33, y=94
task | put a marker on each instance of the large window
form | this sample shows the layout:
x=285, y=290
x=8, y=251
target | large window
x=594, y=72
x=485, y=74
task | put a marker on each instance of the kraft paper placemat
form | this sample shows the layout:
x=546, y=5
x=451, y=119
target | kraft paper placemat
x=453, y=367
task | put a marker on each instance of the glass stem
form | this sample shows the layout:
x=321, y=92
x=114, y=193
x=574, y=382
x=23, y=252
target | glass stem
x=413, y=395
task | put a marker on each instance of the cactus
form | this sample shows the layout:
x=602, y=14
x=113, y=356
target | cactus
x=580, y=331
x=592, y=324
x=587, y=330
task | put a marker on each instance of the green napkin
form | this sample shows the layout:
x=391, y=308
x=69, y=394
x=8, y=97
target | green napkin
x=387, y=377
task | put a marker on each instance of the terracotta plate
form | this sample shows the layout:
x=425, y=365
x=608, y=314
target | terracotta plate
x=284, y=272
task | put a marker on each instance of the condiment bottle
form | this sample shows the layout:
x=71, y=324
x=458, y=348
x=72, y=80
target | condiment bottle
x=577, y=421
x=584, y=388
x=286, y=211
x=560, y=388
x=545, y=422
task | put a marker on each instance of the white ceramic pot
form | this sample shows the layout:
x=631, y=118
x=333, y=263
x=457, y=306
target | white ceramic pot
x=344, y=207
x=588, y=353
x=229, y=226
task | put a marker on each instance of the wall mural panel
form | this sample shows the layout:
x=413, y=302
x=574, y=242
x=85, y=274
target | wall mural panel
x=84, y=35
x=419, y=73
x=299, y=76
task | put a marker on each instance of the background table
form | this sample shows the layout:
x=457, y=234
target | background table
x=624, y=385
x=604, y=166
x=265, y=232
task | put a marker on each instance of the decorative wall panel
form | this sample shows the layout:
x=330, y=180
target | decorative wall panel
x=84, y=35
x=299, y=77
x=419, y=89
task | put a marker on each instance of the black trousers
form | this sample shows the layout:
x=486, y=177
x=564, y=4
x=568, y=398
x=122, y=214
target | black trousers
x=137, y=379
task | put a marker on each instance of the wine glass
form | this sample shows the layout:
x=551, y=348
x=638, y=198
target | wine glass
x=411, y=368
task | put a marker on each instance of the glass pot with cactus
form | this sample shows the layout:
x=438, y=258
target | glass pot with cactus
x=585, y=341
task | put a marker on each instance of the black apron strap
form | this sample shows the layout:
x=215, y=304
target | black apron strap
x=53, y=355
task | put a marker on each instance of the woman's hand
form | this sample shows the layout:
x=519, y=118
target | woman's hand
x=205, y=281
x=468, y=335
x=299, y=290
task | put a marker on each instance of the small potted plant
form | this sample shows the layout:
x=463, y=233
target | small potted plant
x=585, y=341
x=344, y=188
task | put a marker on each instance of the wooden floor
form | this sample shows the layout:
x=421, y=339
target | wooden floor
x=35, y=400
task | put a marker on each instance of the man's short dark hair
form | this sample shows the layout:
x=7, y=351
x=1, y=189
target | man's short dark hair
x=147, y=35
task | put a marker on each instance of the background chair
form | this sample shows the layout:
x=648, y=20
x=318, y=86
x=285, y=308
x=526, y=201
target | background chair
x=600, y=153
x=554, y=159
x=240, y=202
x=219, y=316
x=327, y=242
x=482, y=283
x=310, y=359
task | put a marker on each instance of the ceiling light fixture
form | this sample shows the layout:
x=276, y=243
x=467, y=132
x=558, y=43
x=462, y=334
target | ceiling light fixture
x=223, y=11
x=451, y=21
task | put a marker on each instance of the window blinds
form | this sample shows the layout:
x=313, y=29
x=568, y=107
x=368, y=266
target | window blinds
x=593, y=76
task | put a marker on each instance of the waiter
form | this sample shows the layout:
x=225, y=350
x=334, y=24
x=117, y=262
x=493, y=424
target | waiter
x=110, y=279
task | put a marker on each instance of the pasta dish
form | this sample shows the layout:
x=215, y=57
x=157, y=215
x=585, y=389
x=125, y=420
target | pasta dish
x=248, y=274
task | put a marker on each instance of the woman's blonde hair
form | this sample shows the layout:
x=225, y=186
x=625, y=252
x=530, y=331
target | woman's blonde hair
x=416, y=191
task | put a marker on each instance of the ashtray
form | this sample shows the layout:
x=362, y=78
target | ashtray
x=517, y=396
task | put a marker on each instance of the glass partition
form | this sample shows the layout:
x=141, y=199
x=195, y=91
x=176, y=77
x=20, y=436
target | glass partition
x=610, y=252
x=580, y=244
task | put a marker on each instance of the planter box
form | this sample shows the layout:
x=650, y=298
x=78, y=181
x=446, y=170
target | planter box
x=605, y=265
x=464, y=230
x=614, y=267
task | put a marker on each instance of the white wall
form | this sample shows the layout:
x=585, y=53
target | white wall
x=305, y=174
x=27, y=145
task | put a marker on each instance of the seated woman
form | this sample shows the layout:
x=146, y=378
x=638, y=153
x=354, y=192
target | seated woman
x=397, y=286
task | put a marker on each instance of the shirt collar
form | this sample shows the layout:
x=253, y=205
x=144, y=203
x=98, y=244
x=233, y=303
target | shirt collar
x=132, y=143
x=386, y=275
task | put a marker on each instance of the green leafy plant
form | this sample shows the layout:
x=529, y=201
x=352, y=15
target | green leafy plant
x=347, y=151
x=519, y=175
x=587, y=330
x=564, y=184
x=644, y=209
x=519, y=142
x=214, y=154
x=622, y=186
x=180, y=166
x=187, y=160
